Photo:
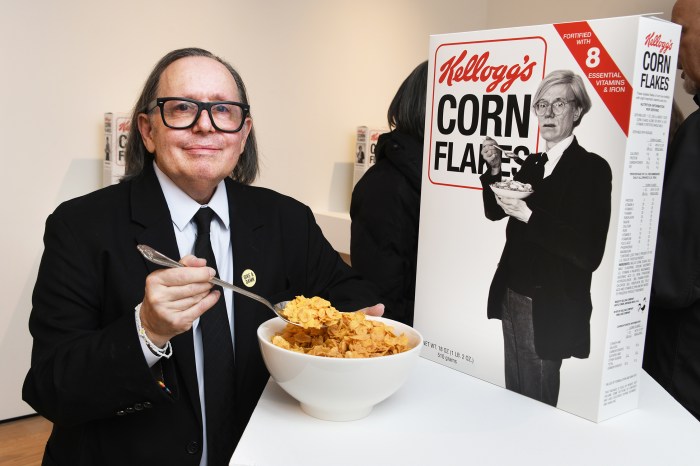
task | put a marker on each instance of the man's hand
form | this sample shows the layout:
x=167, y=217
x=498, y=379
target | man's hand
x=377, y=310
x=491, y=155
x=175, y=298
x=516, y=208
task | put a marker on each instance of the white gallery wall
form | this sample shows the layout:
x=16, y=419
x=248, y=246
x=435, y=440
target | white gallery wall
x=315, y=70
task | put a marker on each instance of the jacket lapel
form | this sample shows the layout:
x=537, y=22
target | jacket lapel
x=568, y=155
x=247, y=255
x=562, y=172
x=149, y=209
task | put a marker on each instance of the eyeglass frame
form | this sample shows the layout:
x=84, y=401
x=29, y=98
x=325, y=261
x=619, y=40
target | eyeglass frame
x=550, y=105
x=160, y=102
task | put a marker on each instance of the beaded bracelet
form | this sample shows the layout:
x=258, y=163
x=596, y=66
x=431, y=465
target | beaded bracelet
x=165, y=352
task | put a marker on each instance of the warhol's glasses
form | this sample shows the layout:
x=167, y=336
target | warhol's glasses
x=182, y=113
x=542, y=106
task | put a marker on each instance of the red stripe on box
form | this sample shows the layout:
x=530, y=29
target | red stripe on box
x=600, y=69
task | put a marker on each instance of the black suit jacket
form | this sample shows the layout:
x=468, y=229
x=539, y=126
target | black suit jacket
x=385, y=212
x=88, y=374
x=565, y=237
x=672, y=345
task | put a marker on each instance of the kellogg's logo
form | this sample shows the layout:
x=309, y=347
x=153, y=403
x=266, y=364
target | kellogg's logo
x=477, y=69
x=655, y=40
x=124, y=126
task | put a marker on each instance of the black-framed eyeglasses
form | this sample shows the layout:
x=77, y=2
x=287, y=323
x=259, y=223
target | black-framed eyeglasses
x=542, y=106
x=182, y=113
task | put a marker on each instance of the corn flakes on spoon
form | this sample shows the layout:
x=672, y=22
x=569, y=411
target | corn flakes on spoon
x=313, y=312
x=161, y=259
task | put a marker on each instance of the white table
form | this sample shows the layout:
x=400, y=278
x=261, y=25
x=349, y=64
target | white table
x=444, y=417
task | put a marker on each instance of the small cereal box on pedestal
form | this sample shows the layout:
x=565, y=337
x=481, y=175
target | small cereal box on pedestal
x=117, y=127
x=365, y=145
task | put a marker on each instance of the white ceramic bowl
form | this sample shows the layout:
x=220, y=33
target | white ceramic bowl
x=338, y=389
x=511, y=193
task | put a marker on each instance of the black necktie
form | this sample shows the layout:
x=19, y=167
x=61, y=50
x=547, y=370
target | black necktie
x=538, y=169
x=218, y=358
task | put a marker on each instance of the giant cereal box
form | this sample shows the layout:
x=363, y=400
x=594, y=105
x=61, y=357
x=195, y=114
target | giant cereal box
x=543, y=290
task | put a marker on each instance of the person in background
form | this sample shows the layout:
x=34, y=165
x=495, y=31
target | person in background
x=674, y=124
x=672, y=347
x=555, y=240
x=123, y=359
x=385, y=205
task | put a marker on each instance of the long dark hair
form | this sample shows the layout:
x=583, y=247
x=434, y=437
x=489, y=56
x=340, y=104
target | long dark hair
x=407, y=110
x=245, y=171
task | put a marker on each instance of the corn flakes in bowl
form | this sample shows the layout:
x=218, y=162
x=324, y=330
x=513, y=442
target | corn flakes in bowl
x=342, y=371
x=512, y=189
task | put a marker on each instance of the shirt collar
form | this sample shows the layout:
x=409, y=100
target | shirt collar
x=555, y=152
x=182, y=207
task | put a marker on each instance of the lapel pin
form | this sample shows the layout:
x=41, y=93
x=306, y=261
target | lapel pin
x=248, y=277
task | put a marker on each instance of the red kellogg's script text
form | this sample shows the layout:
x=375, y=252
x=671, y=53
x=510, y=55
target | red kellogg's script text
x=655, y=40
x=476, y=68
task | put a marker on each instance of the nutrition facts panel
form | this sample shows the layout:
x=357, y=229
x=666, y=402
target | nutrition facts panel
x=638, y=219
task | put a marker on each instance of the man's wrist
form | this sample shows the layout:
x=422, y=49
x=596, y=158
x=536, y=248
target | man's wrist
x=164, y=352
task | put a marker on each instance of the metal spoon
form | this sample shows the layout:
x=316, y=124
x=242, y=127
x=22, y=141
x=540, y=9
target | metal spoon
x=161, y=259
x=507, y=153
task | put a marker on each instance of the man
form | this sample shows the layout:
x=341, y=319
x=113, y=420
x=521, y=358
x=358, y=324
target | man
x=672, y=349
x=122, y=353
x=555, y=240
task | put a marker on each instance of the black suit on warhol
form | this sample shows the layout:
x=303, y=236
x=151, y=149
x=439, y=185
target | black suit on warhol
x=553, y=256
